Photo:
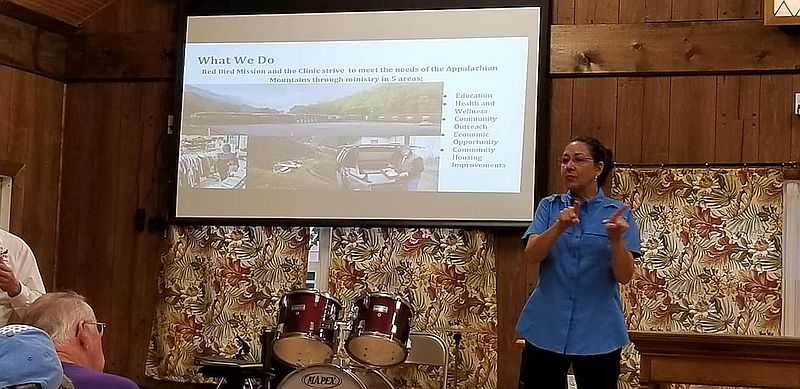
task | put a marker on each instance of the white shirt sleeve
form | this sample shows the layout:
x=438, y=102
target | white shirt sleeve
x=22, y=261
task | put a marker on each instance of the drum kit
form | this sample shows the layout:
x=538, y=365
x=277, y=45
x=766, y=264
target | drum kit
x=312, y=332
x=312, y=328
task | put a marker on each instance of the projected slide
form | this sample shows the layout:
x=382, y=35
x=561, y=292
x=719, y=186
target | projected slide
x=309, y=109
x=309, y=119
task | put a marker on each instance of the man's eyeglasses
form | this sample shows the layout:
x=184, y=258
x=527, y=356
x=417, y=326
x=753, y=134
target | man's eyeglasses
x=578, y=160
x=101, y=327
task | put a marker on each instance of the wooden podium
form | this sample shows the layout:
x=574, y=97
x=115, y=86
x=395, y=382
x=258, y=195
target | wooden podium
x=711, y=359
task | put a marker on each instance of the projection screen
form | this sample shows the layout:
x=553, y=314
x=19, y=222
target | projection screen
x=405, y=116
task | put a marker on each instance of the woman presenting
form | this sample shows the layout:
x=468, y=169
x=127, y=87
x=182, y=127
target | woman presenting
x=582, y=244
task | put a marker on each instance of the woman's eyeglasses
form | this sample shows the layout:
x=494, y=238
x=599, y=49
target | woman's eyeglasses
x=577, y=160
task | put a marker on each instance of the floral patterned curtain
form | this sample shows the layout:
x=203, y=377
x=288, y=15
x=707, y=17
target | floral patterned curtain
x=449, y=277
x=217, y=283
x=711, y=252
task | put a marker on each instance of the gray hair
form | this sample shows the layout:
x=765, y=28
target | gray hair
x=58, y=314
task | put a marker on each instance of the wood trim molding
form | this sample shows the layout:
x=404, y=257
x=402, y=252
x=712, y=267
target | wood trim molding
x=791, y=174
x=10, y=169
x=715, y=359
x=771, y=20
x=717, y=345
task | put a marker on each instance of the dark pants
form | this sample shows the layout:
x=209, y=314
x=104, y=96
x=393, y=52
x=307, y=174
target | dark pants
x=542, y=369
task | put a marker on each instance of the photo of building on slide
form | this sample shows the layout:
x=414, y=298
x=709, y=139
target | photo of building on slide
x=213, y=161
x=360, y=137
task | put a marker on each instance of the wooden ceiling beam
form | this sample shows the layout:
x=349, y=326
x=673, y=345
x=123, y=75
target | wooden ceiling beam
x=36, y=18
x=31, y=49
x=62, y=16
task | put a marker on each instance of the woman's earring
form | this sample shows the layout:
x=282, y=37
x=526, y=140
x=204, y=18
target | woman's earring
x=595, y=178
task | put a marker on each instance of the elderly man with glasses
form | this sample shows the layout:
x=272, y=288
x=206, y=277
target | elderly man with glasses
x=78, y=339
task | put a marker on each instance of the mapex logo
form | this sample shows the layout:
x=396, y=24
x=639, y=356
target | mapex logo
x=321, y=380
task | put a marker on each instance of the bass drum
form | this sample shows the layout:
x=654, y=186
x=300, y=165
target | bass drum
x=373, y=379
x=327, y=376
x=323, y=376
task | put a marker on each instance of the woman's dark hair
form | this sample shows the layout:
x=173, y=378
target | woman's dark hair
x=600, y=154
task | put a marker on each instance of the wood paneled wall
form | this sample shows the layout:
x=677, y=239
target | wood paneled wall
x=114, y=164
x=686, y=119
x=114, y=148
x=30, y=134
x=648, y=11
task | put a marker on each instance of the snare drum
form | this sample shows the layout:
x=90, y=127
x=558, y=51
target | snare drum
x=306, y=331
x=380, y=330
x=335, y=377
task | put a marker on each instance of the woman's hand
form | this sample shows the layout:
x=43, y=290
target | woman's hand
x=570, y=216
x=617, y=225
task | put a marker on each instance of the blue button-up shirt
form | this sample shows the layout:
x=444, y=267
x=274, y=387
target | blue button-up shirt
x=576, y=307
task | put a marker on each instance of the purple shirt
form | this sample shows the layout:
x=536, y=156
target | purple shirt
x=84, y=378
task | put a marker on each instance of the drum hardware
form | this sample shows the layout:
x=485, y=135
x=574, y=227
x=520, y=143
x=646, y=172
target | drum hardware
x=234, y=373
x=239, y=372
x=342, y=328
x=451, y=330
x=381, y=309
x=457, y=333
x=278, y=369
x=457, y=340
x=328, y=324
